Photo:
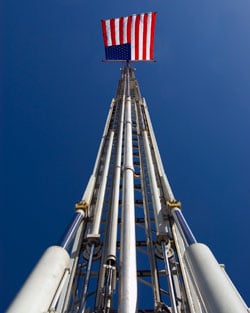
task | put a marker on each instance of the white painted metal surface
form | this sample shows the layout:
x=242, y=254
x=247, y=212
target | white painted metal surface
x=40, y=288
x=100, y=199
x=65, y=295
x=88, y=193
x=161, y=226
x=180, y=248
x=128, y=274
x=106, y=128
x=112, y=237
x=169, y=278
x=165, y=183
x=212, y=285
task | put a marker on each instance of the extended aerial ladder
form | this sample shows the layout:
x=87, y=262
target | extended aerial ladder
x=129, y=248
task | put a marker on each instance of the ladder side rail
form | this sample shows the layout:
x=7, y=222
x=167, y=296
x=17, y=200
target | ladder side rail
x=165, y=183
x=100, y=199
x=194, y=304
x=107, y=274
x=165, y=190
x=161, y=223
x=148, y=230
x=65, y=296
x=90, y=189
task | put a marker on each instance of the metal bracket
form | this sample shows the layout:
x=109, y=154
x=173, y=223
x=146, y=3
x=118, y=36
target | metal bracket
x=173, y=204
x=82, y=205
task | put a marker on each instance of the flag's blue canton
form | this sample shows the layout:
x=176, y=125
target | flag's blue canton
x=118, y=52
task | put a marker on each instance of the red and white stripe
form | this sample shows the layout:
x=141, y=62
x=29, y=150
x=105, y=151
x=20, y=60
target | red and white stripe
x=137, y=29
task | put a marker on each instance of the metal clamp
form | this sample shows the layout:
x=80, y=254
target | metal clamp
x=82, y=205
x=174, y=204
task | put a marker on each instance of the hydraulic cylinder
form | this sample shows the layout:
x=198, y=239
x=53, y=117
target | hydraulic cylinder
x=40, y=288
x=214, y=288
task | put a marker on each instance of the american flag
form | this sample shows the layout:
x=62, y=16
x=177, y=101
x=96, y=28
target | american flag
x=130, y=37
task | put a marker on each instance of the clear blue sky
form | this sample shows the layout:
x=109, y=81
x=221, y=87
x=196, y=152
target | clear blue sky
x=56, y=95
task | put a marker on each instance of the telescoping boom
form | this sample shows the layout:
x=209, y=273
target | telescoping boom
x=129, y=248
